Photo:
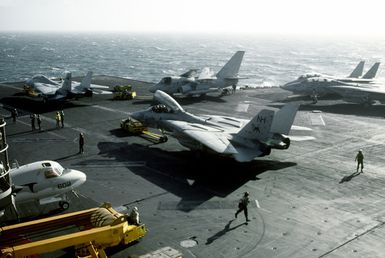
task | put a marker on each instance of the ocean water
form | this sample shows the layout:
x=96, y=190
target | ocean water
x=269, y=60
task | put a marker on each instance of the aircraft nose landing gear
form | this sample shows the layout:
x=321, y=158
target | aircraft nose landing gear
x=64, y=205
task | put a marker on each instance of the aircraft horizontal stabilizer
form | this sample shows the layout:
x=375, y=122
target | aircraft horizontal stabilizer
x=300, y=128
x=247, y=154
x=301, y=138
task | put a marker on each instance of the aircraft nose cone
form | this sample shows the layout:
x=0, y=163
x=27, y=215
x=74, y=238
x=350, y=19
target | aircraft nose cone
x=136, y=115
x=79, y=178
x=153, y=88
x=288, y=86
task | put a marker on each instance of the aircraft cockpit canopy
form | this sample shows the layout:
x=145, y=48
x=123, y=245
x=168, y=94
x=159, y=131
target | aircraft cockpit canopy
x=166, y=80
x=319, y=79
x=52, y=170
x=160, y=108
x=308, y=75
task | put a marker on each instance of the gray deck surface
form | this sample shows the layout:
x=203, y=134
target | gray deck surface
x=307, y=200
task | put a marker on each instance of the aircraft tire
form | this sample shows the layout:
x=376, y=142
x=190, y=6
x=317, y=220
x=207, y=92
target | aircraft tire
x=64, y=205
x=163, y=138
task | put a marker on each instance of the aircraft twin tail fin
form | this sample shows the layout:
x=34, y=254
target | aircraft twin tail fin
x=284, y=118
x=86, y=82
x=231, y=68
x=67, y=83
x=357, y=72
x=259, y=127
x=267, y=122
x=372, y=71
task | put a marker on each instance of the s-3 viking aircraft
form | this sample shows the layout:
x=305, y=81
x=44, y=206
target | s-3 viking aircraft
x=44, y=182
x=189, y=84
x=240, y=138
x=49, y=90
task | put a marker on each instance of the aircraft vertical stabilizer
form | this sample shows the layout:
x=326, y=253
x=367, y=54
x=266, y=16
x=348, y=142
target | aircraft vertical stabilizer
x=67, y=83
x=284, y=118
x=372, y=71
x=259, y=127
x=86, y=82
x=231, y=68
x=357, y=72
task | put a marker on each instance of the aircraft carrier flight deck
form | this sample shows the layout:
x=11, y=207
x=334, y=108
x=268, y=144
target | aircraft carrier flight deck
x=307, y=201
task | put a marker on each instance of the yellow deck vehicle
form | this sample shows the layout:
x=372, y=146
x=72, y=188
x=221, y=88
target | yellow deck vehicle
x=135, y=127
x=88, y=231
x=29, y=91
x=123, y=92
x=132, y=126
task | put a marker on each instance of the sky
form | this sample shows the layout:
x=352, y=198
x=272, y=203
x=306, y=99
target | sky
x=307, y=17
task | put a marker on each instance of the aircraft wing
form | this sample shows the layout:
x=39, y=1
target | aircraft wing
x=79, y=90
x=49, y=200
x=45, y=89
x=99, y=91
x=97, y=86
x=207, y=74
x=200, y=91
x=374, y=93
x=189, y=73
x=43, y=80
x=92, y=86
x=210, y=137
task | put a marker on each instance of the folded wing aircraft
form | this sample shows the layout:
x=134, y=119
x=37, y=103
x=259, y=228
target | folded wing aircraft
x=49, y=90
x=189, y=85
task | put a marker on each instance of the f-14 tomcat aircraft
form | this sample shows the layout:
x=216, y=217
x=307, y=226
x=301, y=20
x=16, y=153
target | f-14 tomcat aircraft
x=188, y=84
x=318, y=84
x=242, y=139
x=44, y=182
x=41, y=86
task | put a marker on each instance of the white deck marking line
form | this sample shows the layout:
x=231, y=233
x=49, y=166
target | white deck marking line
x=257, y=203
x=242, y=107
x=111, y=109
x=10, y=86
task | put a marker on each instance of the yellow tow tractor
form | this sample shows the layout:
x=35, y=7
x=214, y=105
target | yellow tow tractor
x=89, y=232
x=123, y=92
x=29, y=91
x=135, y=127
